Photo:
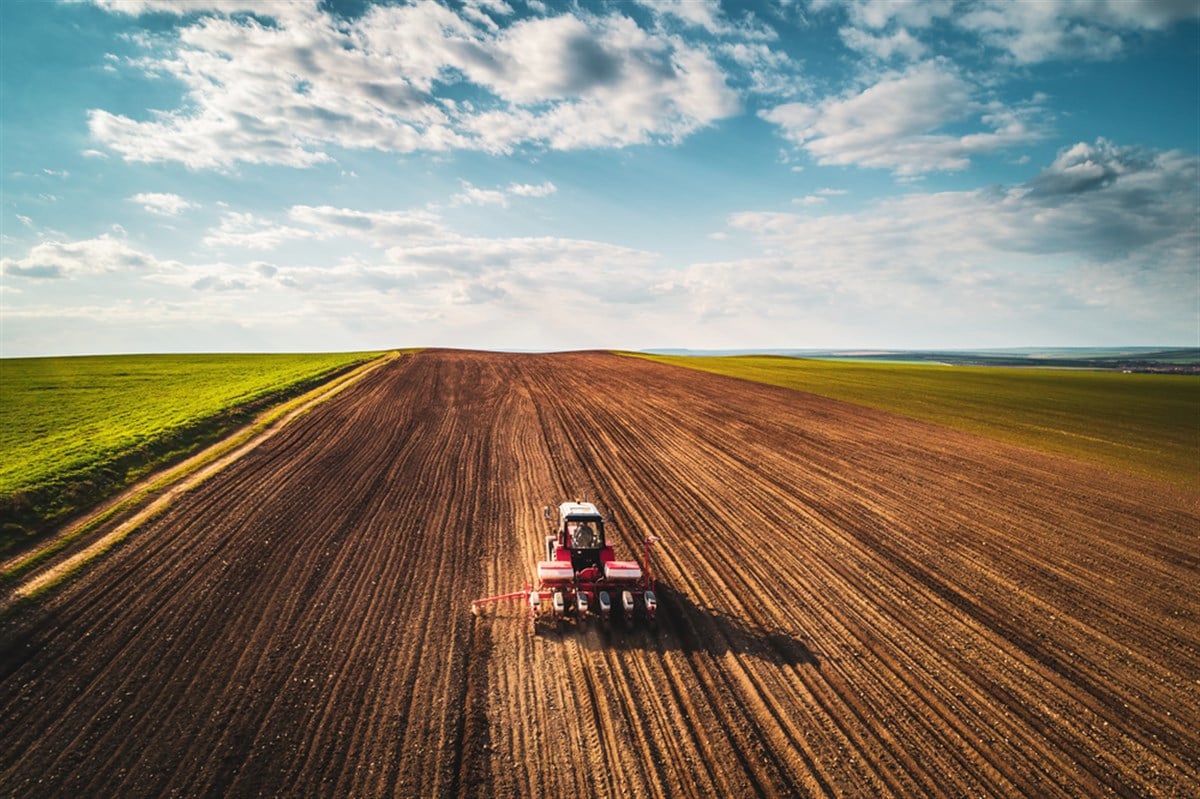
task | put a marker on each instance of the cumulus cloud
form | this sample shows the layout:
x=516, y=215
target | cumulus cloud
x=1120, y=205
x=162, y=204
x=1103, y=227
x=897, y=123
x=1027, y=32
x=1057, y=29
x=884, y=47
x=284, y=90
x=1087, y=167
x=883, y=30
x=55, y=260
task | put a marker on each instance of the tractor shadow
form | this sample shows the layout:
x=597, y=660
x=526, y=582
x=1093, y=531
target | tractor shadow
x=684, y=626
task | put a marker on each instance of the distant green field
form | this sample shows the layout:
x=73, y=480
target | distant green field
x=1144, y=423
x=74, y=429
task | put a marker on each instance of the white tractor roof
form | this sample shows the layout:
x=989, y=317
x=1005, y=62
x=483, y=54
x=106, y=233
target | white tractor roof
x=577, y=509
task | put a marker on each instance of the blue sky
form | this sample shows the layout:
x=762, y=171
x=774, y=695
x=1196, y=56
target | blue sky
x=233, y=175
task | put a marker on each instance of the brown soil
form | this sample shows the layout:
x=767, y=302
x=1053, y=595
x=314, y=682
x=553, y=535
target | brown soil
x=853, y=604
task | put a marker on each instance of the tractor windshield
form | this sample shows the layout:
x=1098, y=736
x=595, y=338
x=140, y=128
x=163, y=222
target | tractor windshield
x=584, y=535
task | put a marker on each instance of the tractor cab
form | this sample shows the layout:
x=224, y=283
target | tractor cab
x=580, y=536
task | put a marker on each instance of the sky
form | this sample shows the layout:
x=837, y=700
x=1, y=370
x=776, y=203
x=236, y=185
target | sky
x=337, y=175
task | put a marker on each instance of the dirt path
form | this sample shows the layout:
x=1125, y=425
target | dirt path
x=853, y=605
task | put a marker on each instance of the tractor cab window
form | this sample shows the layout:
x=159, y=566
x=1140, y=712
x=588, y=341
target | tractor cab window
x=583, y=535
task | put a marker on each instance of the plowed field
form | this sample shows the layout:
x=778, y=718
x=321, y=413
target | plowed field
x=853, y=604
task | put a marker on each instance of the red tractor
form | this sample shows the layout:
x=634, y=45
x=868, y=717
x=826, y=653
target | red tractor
x=581, y=576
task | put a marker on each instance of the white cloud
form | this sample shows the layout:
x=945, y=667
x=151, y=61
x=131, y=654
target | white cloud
x=435, y=276
x=53, y=260
x=529, y=259
x=818, y=197
x=707, y=15
x=1058, y=29
x=246, y=231
x=704, y=14
x=1123, y=205
x=279, y=9
x=1100, y=244
x=407, y=229
x=883, y=47
x=473, y=195
x=765, y=70
x=544, y=189
x=162, y=204
x=895, y=123
x=879, y=14
x=604, y=82
x=1104, y=228
x=482, y=11
x=218, y=277
x=1027, y=32
x=380, y=228
x=283, y=93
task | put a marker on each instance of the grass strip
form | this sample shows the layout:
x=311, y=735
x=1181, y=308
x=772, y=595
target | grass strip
x=75, y=431
x=170, y=484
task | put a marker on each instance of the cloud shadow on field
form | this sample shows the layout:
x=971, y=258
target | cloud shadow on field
x=684, y=626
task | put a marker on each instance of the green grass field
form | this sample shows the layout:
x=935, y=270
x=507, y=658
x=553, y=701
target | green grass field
x=1148, y=424
x=76, y=429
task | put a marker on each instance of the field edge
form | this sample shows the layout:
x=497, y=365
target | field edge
x=1175, y=464
x=30, y=512
x=68, y=549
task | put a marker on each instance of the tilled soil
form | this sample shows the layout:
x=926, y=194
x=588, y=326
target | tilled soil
x=853, y=604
